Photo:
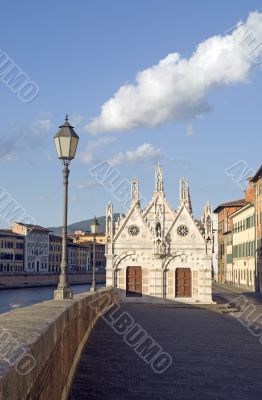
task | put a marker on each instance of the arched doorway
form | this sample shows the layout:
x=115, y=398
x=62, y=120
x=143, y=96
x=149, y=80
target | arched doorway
x=183, y=282
x=134, y=281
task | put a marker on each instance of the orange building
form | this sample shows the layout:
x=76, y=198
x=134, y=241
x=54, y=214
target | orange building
x=224, y=212
x=225, y=225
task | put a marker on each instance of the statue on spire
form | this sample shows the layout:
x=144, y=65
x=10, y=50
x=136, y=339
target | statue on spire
x=185, y=195
x=207, y=220
x=109, y=221
x=159, y=178
x=135, y=191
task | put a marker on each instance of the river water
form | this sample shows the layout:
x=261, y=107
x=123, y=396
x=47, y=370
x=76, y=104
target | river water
x=15, y=298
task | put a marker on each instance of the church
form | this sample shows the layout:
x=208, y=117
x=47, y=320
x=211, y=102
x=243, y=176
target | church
x=157, y=253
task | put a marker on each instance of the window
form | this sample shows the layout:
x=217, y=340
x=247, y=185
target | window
x=229, y=258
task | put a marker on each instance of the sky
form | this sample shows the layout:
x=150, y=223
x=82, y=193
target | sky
x=142, y=81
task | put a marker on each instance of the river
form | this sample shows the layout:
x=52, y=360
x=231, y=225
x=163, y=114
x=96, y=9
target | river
x=15, y=298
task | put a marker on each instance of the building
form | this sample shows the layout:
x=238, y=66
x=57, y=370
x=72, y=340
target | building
x=215, y=246
x=81, y=236
x=78, y=257
x=257, y=181
x=34, y=249
x=243, y=248
x=224, y=212
x=87, y=239
x=228, y=247
x=55, y=253
x=159, y=252
x=99, y=257
x=36, y=246
x=11, y=252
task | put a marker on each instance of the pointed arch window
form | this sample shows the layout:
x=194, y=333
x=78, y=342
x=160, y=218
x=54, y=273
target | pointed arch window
x=158, y=229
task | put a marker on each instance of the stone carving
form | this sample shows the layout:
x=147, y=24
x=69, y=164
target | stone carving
x=159, y=179
x=134, y=191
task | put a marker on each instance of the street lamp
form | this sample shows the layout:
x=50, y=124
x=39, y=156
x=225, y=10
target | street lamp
x=66, y=141
x=94, y=227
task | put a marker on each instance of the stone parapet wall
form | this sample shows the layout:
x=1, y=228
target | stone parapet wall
x=39, y=279
x=40, y=345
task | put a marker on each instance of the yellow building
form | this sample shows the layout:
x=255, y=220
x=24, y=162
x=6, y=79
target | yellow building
x=85, y=237
x=229, y=257
x=11, y=252
x=244, y=259
x=257, y=180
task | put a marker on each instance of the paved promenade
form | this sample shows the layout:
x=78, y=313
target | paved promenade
x=214, y=358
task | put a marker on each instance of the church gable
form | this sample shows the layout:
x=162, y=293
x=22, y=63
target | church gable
x=133, y=228
x=184, y=230
x=159, y=211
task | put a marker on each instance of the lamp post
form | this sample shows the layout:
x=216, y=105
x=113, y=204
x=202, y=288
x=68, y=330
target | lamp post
x=94, y=226
x=66, y=141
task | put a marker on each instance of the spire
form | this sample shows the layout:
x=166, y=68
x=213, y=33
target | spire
x=207, y=220
x=134, y=191
x=159, y=179
x=109, y=221
x=185, y=195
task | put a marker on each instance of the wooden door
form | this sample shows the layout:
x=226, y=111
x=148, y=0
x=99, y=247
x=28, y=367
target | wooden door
x=183, y=282
x=134, y=282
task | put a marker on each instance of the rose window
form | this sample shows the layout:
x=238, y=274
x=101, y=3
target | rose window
x=182, y=230
x=133, y=230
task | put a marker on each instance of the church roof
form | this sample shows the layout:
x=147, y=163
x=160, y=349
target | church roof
x=234, y=203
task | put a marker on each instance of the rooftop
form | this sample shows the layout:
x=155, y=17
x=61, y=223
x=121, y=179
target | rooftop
x=257, y=175
x=234, y=203
x=34, y=227
x=9, y=232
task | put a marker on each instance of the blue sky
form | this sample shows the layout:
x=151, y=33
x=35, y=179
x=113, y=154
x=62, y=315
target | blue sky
x=79, y=54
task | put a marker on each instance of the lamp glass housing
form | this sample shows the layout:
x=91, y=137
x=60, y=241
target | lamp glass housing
x=94, y=226
x=66, y=141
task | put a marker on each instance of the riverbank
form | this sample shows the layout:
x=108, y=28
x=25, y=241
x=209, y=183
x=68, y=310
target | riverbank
x=25, y=296
x=46, y=280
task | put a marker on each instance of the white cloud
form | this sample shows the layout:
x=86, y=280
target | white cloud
x=40, y=126
x=76, y=119
x=145, y=152
x=189, y=130
x=90, y=152
x=20, y=139
x=49, y=157
x=89, y=185
x=75, y=198
x=48, y=198
x=181, y=162
x=177, y=88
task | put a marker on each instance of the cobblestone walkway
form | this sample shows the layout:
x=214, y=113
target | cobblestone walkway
x=214, y=357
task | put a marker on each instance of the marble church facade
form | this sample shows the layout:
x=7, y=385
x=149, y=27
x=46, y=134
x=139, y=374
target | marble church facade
x=159, y=253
